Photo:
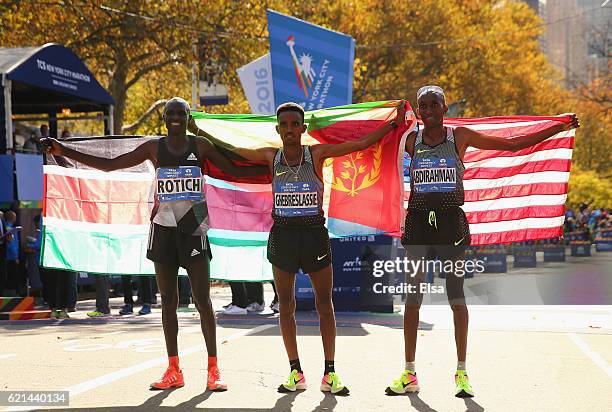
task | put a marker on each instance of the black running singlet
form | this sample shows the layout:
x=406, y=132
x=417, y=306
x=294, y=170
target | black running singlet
x=179, y=189
x=436, y=175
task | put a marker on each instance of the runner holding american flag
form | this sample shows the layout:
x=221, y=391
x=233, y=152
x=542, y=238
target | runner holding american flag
x=436, y=226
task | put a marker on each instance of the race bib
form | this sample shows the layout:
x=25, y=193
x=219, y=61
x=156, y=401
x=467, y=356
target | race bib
x=179, y=183
x=434, y=175
x=295, y=199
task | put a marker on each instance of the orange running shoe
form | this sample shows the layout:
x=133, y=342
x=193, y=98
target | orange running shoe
x=214, y=382
x=172, y=378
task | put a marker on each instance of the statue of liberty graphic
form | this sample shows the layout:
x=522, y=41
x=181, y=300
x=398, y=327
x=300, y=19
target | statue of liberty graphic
x=303, y=67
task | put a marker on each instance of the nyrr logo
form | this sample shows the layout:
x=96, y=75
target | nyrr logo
x=356, y=265
x=352, y=263
x=304, y=71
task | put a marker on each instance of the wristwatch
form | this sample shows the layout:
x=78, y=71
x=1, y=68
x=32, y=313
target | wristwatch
x=393, y=124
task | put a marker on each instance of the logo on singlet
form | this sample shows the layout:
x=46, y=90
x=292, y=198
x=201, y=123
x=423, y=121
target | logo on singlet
x=425, y=150
x=192, y=157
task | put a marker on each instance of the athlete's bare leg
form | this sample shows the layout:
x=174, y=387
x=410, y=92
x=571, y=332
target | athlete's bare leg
x=285, y=288
x=322, y=282
x=167, y=283
x=199, y=278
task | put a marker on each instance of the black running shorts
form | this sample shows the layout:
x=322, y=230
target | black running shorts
x=442, y=235
x=291, y=248
x=170, y=246
x=445, y=231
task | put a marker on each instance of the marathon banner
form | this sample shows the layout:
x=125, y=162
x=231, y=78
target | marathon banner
x=256, y=80
x=311, y=65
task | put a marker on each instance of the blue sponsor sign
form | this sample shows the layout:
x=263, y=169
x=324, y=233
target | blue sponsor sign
x=29, y=171
x=406, y=166
x=181, y=183
x=304, y=292
x=580, y=243
x=493, y=258
x=603, y=240
x=525, y=255
x=6, y=178
x=355, y=286
x=554, y=250
x=311, y=65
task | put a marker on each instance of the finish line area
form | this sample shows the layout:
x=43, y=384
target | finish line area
x=519, y=357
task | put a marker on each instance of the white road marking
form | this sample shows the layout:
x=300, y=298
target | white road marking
x=66, y=342
x=191, y=329
x=113, y=333
x=91, y=384
x=594, y=356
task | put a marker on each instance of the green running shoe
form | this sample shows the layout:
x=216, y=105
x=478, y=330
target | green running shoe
x=97, y=314
x=408, y=382
x=295, y=381
x=463, y=390
x=331, y=383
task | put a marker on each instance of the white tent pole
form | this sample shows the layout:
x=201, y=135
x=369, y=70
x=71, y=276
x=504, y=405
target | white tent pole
x=111, y=126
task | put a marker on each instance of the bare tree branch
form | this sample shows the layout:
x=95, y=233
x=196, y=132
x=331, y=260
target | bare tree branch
x=144, y=116
x=147, y=69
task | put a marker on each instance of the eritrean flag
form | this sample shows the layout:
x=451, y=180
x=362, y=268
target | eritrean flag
x=98, y=222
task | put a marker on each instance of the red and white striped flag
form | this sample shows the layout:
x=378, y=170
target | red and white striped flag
x=515, y=196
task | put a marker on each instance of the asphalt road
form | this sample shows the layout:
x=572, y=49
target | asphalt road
x=520, y=358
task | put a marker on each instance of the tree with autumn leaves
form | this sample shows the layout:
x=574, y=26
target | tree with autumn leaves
x=485, y=53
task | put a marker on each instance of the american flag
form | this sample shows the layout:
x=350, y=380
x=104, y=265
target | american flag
x=515, y=196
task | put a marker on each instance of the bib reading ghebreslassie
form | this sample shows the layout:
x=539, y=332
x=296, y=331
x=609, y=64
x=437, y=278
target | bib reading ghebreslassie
x=297, y=191
x=295, y=199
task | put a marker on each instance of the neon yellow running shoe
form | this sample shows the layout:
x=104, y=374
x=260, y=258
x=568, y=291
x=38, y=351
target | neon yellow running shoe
x=331, y=383
x=408, y=382
x=464, y=389
x=295, y=381
x=97, y=314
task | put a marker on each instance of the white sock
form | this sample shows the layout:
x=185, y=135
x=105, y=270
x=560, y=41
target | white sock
x=461, y=366
x=410, y=366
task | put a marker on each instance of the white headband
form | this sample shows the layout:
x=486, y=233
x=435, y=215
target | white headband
x=430, y=89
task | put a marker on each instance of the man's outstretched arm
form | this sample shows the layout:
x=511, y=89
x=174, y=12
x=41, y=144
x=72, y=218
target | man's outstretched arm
x=223, y=163
x=124, y=161
x=323, y=151
x=473, y=138
x=261, y=155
